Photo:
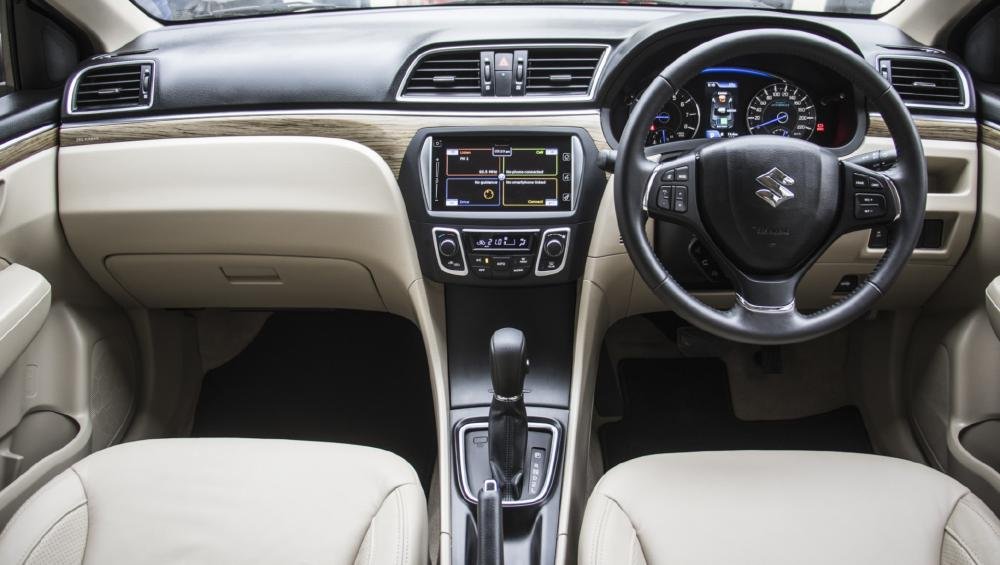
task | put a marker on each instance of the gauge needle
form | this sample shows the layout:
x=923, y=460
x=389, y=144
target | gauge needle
x=779, y=119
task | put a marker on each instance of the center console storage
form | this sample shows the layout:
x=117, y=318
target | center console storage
x=503, y=218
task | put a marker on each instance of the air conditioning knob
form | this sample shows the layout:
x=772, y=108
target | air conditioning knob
x=554, y=247
x=447, y=246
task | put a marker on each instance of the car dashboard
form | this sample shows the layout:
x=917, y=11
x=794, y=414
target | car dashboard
x=416, y=161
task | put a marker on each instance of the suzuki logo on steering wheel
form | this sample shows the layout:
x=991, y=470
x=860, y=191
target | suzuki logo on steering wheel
x=776, y=187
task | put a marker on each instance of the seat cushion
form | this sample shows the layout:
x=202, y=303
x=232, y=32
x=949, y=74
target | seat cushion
x=217, y=501
x=784, y=508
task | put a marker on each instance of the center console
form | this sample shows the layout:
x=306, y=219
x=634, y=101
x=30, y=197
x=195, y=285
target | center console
x=500, y=207
x=503, y=219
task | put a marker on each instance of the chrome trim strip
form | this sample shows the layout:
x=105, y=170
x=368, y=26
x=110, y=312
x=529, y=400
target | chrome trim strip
x=400, y=97
x=790, y=307
x=71, y=99
x=461, y=250
x=25, y=136
x=964, y=82
x=463, y=474
x=541, y=251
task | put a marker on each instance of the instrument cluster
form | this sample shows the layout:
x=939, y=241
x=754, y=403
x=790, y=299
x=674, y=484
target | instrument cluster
x=730, y=101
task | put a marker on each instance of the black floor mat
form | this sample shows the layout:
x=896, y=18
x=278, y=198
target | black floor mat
x=342, y=376
x=674, y=405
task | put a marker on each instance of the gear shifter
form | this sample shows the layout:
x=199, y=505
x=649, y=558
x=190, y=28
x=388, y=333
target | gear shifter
x=508, y=423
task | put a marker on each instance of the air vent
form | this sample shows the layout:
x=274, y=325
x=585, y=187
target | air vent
x=448, y=73
x=563, y=70
x=550, y=72
x=113, y=87
x=926, y=83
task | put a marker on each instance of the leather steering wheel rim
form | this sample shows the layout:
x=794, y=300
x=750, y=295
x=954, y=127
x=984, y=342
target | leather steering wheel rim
x=745, y=321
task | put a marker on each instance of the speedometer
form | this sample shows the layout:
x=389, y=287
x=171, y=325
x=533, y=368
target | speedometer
x=782, y=109
x=678, y=119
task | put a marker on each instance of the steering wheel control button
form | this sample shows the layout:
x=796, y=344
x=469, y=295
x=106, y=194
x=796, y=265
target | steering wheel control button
x=665, y=198
x=681, y=174
x=860, y=181
x=868, y=206
x=668, y=175
x=681, y=199
x=879, y=238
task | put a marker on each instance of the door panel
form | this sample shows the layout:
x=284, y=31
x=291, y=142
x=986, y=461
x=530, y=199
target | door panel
x=68, y=358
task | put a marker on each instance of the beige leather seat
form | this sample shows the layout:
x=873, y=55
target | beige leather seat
x=776, y=508
x=222, y=501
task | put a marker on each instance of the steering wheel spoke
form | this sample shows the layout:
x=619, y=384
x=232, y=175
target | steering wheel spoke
x=869, y=199
x=671, y=192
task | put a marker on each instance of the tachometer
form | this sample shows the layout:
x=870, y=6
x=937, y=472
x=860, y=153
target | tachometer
x=678, y=119
x=782, y=109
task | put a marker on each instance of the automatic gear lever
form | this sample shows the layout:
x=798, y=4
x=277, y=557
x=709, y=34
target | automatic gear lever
x=508, y=424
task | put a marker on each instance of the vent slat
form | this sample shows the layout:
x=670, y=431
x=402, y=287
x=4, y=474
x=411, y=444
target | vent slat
x=925, y=81
x=448, y=74
x=561, y=70
x=120, y=86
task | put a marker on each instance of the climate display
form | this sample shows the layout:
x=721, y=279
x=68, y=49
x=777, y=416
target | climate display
x=511, y=174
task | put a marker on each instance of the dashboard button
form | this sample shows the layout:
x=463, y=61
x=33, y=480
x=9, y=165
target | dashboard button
x=501, y=264
x=522, y=261
x=518, y=271
x=483, y=272
x=554, y=247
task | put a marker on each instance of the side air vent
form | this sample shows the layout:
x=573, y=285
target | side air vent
x=449, y=73
x=924, y=82
x=562, y=71
x=113, y=87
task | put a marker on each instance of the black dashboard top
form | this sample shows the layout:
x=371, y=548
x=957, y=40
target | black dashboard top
x=358, y=58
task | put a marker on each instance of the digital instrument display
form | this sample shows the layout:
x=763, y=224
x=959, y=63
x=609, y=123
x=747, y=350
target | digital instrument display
x=515, y=174
x=726, y=102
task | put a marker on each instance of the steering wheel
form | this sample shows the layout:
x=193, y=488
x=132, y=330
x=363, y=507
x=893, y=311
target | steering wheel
x=767, y=207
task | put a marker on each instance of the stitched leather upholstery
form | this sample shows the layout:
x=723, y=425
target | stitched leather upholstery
x=780, y=508
x=218, y=501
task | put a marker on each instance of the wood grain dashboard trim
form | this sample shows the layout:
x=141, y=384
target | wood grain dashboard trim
x=27, y=145
x=943, y=130
x=990, y=135
x=387, y=134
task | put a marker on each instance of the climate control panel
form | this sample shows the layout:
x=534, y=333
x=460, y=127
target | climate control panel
x=501, y=254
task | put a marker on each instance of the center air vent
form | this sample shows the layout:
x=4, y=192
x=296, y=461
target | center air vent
x=449, y=73
x=923, y=82
x=505, y=73
x=113, y=87
x=563, y=71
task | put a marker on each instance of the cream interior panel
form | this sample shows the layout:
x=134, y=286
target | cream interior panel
x=953, y=184
x=25, y=297
x=283, y=196
x=245, y=281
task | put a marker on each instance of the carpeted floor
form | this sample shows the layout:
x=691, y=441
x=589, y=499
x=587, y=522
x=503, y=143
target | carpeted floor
x=341, y=376
x=676, y=405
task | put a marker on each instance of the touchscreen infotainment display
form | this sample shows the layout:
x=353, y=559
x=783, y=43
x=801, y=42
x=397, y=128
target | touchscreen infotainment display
x=517, y=174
